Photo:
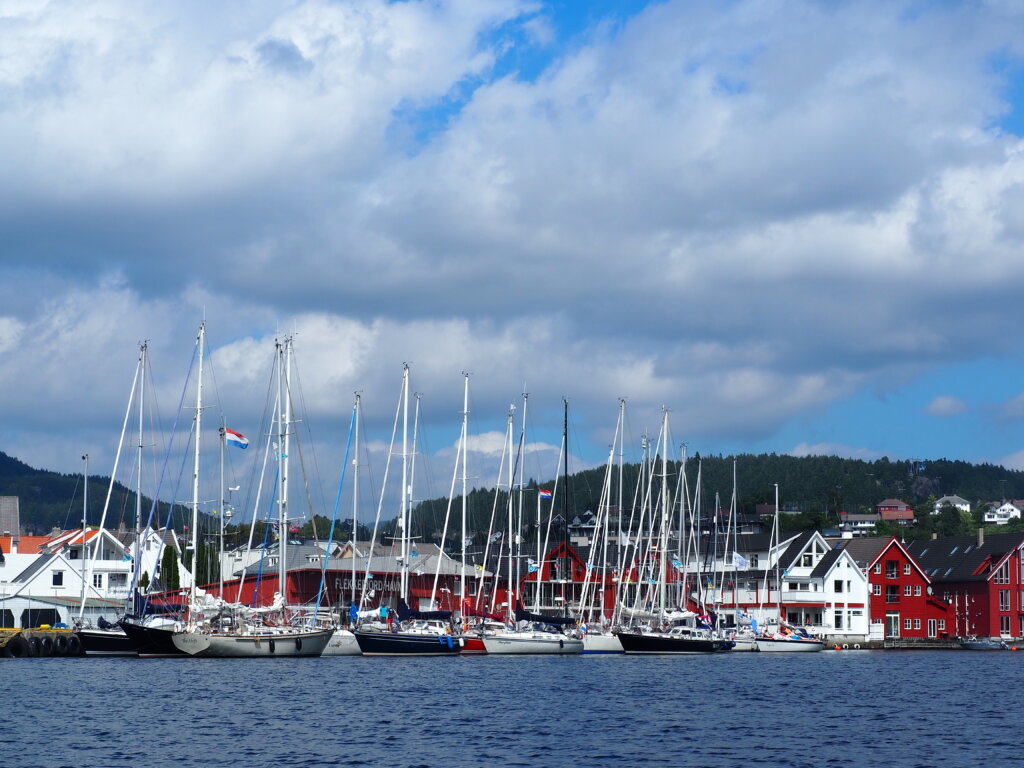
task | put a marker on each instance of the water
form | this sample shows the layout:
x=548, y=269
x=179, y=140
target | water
x=908, y=709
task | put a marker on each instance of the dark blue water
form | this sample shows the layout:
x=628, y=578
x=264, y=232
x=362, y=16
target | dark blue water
x=874, y=709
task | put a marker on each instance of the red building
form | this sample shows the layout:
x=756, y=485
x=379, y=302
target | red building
x=895, y=511
x=982, y=580
x=903, y=597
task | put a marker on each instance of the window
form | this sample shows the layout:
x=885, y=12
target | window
x=892, y=593
x=878, y=620
x=907, y=624
x=791, y=586
x=807, y=560
x=878, y=568
x=838, y=587
x=1004, y=625
x=58, y=578
x=72, y=554
x=917, y=623
x=1002, y=575
x=942, y=625
x=1004, y=599
x=917, y=590
x=891, y=569
x=97, y=580
x=753, y=561
x=907, y=590
x=876, y=589
x=931, y=628
x=839, y=619
x=906, y=569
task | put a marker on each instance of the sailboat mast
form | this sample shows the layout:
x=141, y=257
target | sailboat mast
x=778, y=581
x=195, y=467
x=138, y=468
x=355, y=499
x=663, y=585
x=285, y=435
x=220, y=513
x=404, y=517
x=565, y=498
x=85, y=513
x=465, y=490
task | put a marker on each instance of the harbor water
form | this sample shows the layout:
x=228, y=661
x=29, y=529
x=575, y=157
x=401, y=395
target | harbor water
x=908, y=709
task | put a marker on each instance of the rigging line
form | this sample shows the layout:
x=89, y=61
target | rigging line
x=334, y=515
x=380, y=503
x=313, y=452
x=282, y=541
x=154, y=505
x=74, y=495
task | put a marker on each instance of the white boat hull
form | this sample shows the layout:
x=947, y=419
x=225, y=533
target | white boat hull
x=778, y=645
x=530, y=643
x=282, y=644
x=600, y=643
x=342, y=643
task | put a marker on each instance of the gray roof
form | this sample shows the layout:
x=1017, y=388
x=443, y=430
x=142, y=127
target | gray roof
x=794, y=549
x=825, y=564
x=36, y=566
x=961, y=558
x=865, y=549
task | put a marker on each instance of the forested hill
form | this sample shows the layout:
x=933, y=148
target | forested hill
x=819, y=486
x=51, y=499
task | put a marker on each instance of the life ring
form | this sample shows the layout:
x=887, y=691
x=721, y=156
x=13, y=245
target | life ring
x=846, y=647
x=60, y=645
x=856, y=646
x=74, y=646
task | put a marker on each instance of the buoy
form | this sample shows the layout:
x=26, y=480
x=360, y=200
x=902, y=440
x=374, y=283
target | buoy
x=846, y=647
x=837, y=647
x=856, y=646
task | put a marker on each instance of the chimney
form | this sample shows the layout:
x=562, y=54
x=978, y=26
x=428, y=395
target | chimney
x=981, y=537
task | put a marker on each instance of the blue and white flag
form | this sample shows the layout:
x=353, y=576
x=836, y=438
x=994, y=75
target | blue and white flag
x=739, y=560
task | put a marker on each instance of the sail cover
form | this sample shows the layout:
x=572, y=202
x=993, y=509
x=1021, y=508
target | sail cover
x=540, y=618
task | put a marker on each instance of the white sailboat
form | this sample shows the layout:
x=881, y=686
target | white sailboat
x=238, y=638
x=786, y=638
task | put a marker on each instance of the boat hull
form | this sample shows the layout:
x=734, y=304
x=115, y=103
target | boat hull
x=473, y=645
x=659, y=643
x=106, y=642
x=530, y=644
x=268, y=645
x=982, y=645
x=342, y=643
x=407, y=644
x=600, y=643
x=778, y=645
x=151, y=642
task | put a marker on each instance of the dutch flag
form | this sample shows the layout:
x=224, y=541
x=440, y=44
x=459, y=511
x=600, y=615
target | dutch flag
x=235, y=438
x=544, y=494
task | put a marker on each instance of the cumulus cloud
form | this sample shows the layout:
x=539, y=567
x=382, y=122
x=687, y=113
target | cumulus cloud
x=834, y=449
x=945, y=406
x=744, y=213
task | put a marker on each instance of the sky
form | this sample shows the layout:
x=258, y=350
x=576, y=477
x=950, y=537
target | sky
x=798, y=226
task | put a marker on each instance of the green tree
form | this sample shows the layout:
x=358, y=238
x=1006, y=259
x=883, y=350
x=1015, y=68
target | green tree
x=169, y=574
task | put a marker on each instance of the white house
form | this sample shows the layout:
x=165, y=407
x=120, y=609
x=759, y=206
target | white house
x=45, y=586
x=957, y=502
x=1002, y=514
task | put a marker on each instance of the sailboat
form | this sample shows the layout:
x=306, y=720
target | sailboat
x=786, y=638
x=234, y=637
x=535, y=633
x=418, y=633
x=679, y=633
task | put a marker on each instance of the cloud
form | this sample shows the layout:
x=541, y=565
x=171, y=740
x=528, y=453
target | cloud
x=746, y=214
x=1012, y=409
x=945, y=406
x=834, y=449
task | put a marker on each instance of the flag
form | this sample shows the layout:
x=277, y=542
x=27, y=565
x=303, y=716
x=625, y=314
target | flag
x=236, y=439
x=544, y=493
x=496, y=536
x=468, y=541
x=739, y=560
x=414, y=553
x=478, y=567
x=532, y=567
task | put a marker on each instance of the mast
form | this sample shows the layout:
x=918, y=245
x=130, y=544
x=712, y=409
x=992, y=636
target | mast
x=663, y=582
x=778, y=582
x=565, y=498
x=85, y=512
x=221, y=512
x=404, y=516
x=195, y=467
x=138, y=468
x=355, y=499
x=465, y=488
